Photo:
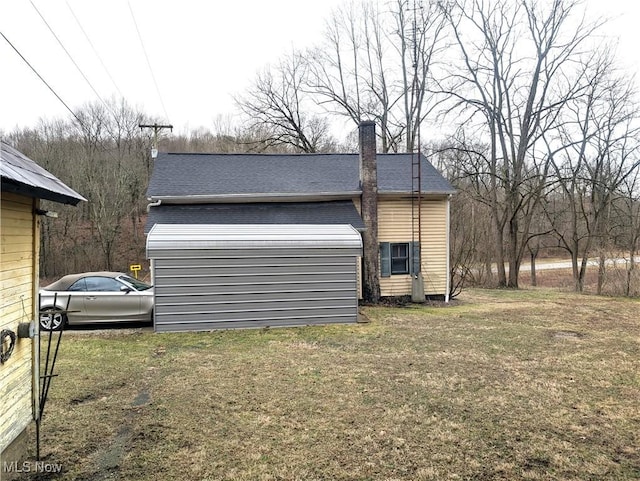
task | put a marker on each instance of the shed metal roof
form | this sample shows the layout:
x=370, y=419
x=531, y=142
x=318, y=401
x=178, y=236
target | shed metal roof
x=336, y=212
x=254, y=236
x=22, y=175
x=205, y=177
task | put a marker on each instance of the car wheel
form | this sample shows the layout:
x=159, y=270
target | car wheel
x=52, y=321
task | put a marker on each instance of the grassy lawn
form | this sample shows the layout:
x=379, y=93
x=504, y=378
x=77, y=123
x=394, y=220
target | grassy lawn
x=533, y=384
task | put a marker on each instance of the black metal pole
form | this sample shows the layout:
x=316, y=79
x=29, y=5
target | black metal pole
x=48, y=370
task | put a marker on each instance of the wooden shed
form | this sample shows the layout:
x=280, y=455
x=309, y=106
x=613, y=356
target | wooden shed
x=258, y=275
x=24, y=183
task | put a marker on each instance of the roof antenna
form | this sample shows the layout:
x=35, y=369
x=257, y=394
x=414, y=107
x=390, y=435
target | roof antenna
x=417, y=279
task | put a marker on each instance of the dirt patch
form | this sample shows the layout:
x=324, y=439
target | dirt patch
x=567, y=335
x=114, y=330
x=83, y=399
x=141, y=399
x=109, y=459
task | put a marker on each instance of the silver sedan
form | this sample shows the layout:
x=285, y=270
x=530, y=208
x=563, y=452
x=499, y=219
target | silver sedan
x=95, y=297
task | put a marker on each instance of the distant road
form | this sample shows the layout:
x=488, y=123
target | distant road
x=541, y=266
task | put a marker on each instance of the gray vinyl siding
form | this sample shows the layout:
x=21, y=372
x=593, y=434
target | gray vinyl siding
x=263, y=285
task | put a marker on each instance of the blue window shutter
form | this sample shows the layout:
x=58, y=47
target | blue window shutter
x=414, y=257
x=385, y=259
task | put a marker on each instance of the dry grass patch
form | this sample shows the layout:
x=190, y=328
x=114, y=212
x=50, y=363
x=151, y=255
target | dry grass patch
x=530, y=384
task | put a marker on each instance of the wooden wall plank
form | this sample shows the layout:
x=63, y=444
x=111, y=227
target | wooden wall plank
x=16, y=305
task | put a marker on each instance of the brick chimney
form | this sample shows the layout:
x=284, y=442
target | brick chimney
x=369, y=212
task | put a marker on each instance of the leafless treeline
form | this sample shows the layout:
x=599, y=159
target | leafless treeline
x=103, y=156
x=520, y=103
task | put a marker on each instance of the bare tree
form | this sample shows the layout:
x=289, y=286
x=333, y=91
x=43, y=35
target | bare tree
x=627, y=208
x=103, y=155
x=471, y=255
x=114, y=166
x=376, y=64
x=508, y=87
x=278, y=105
x=598, y=139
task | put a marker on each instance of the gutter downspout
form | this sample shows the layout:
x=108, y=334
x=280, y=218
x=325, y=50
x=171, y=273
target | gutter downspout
x=153, y=204
x=151, y=261
x=448, y=227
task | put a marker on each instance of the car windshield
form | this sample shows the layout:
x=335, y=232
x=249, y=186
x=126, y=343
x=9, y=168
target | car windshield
x=135, y=283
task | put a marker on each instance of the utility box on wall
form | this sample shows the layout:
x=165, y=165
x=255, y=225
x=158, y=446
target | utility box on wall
x=242, y=276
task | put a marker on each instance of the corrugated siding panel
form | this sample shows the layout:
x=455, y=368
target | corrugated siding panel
x=238, y=323
x=394, y=225
x=310, y=285
x=16, y=288
x=258, y=262
x=250, y=288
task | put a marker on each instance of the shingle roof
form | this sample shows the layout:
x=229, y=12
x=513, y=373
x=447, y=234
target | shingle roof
x=394, y=175
x=22, y=175
x=337, y=212
x=188, y=175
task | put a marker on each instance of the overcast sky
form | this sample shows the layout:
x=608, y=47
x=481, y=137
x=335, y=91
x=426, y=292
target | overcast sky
x=201, y=52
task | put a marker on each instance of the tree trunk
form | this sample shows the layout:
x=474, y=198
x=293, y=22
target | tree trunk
x=602, y=268
x=534, y=281
x=583, y=273
x=514, y=258
x=576, y=271
x=499, y=250
x=631, y=267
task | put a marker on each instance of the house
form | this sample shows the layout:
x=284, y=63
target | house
x=24, y=184
x=253, y=192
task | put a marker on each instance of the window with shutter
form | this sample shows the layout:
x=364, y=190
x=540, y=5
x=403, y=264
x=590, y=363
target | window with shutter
x=400, y=258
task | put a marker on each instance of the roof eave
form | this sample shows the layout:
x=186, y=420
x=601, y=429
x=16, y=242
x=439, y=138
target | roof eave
x=262, y=197
x=439, y=193
x=10, y=185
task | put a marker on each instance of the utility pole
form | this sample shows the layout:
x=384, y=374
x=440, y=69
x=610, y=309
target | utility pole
x=156, y=128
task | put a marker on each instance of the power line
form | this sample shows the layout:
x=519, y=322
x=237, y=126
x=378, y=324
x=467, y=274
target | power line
x=71, y=58
x=95, y=51
x=80, y=122
x=148, y=62
x=41, y=78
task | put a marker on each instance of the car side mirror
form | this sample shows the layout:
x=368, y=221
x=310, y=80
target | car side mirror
x=125, y=289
